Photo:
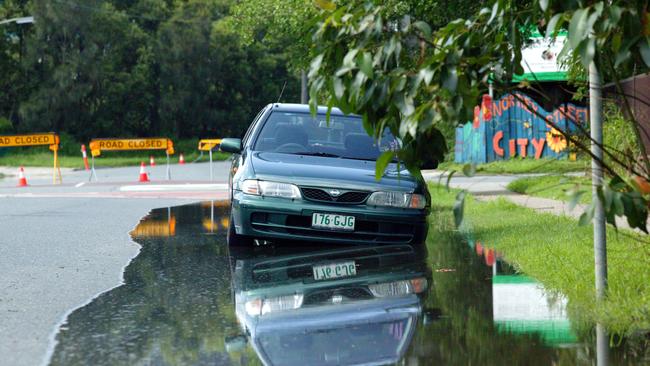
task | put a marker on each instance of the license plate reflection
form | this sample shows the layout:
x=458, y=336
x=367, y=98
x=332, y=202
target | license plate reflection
x=334, y=270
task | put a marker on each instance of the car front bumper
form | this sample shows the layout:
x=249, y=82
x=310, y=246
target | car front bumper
x=277, y=218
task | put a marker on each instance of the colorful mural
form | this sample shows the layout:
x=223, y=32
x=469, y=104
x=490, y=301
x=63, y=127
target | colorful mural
x=513, y=127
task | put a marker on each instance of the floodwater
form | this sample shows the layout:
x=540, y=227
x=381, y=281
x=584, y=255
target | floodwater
x=189, y=300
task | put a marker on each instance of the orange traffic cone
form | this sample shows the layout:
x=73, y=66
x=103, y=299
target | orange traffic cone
x=143, y=173
x=22, y=181
x=181, y=159
x=151, y=161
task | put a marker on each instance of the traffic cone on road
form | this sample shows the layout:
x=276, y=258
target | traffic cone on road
x=151, y=161
x=181, y=159
x=22, y=181
x=85, y=157
x=143, y=173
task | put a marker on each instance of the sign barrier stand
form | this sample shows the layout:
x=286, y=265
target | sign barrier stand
x=92, y=169
x=117, y=144
x=56, y=170
x=169, y=172
x=209, y=145
x=37, y=139
x=211, y=165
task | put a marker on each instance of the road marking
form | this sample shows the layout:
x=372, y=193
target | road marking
x=79, y=184
x=199, y=195
x=174, y=187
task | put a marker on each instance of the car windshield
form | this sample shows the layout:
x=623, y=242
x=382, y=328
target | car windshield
x=305, y=134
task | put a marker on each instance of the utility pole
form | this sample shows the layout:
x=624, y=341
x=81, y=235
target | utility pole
x=303, y=87
x=600, y=243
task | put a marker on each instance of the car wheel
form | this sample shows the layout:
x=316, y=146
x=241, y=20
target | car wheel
x=234, y=239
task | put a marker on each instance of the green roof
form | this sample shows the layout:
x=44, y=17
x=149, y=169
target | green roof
x=541, y=76
x=552, y=332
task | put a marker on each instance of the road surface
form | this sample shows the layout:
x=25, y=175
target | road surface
x=62, y=245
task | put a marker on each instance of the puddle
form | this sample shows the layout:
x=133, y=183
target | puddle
x=189, y=300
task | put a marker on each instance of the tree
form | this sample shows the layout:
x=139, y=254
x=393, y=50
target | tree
x=13, y=84
x=402, y=74
x=134, y=68
x=87, y=62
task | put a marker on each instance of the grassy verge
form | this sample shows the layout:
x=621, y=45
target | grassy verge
x=70, y=156
x=521, y=166
x=553, y=186
x=559, y=254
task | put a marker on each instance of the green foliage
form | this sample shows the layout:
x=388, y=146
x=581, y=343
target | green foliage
x=619, y=139
x=400, y=74
x=524, y=166
x=404, y=74
x=5, y=126
x=557, y=187
x=279, y=24
x=135, y=68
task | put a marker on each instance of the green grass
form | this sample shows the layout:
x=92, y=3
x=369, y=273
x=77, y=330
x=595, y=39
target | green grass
x=555, y=187
x=559, y=253
x=42, y=157
x=521, y=166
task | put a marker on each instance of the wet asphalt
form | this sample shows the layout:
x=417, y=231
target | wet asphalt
x=78, y=289
x=182, y=303
x=61, y=245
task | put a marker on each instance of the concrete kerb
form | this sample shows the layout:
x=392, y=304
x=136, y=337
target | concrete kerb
x=10, y=171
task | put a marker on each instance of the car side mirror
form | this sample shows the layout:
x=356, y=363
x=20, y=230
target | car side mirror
x=429, y=164
x=235, y=343
x=230, y=145
x=430, y=315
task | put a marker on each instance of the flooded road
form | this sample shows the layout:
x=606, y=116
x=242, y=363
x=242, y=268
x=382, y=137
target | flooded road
x=189, y=300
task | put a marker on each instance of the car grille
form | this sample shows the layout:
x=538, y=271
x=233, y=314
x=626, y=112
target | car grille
x=326, y=296
x=367, y=260
x=347, y=197
x=365, y=231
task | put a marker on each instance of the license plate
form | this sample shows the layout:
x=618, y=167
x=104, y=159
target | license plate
x=332, y=221
x=334, y=270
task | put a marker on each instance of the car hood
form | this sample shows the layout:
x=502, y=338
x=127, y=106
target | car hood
x=370, y=332
x=329, y=172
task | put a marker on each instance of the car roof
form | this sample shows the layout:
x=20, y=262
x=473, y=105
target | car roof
x=304, y=108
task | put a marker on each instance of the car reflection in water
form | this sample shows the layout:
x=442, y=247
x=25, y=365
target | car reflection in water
x=338, y=306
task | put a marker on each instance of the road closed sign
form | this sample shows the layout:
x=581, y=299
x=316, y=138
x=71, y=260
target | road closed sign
x=36, y=139
x=208, y=144
x=29, y=140
x=97, y=145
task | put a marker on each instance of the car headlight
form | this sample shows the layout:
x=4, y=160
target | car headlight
x=258, y=307
x=397, y=199
x=270, y=189
x=399, y=288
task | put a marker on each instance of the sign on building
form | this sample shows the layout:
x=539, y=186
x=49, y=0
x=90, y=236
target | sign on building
x=517, y=126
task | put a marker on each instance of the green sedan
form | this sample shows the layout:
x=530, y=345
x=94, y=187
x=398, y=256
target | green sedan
x=298, y=176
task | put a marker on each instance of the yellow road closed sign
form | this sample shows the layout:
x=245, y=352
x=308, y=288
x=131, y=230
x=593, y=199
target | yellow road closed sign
x=208, y=144
x=35, y=139
x=97, y=145
x=29, y=140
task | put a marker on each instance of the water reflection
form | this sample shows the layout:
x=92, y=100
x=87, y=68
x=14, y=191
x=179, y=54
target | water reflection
x=188, y=300
x=296, y=311
x=522, y=305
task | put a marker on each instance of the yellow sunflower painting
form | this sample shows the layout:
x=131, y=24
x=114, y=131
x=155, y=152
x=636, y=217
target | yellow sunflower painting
x=555, y=140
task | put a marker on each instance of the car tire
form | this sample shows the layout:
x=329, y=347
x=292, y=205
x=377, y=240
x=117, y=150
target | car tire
x=234, y=239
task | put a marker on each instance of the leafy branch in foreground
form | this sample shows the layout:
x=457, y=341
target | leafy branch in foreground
x=402, y=75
